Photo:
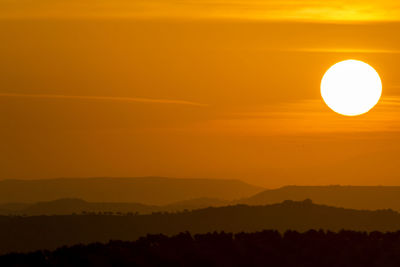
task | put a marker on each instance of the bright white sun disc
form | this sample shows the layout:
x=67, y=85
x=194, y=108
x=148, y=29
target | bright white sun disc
x=351, y=87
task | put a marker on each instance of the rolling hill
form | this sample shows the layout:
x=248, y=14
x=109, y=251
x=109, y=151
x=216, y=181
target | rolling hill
x=147, y=190
x=69, y=206
x=353, y=197
x=49, y=232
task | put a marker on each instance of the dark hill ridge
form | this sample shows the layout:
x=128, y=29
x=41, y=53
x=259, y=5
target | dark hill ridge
x=354, y=197
x=71, y=206
x=50, y=232
x=77, y=206
x=146, y=190
x=259, y=249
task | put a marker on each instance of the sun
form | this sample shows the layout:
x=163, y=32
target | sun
x=351, y=87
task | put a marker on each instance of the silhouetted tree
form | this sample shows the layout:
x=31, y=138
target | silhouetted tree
x=267, y=248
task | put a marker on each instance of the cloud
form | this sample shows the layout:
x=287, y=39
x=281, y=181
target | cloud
x=104, y=98
x=344, y=50
x=305, y=117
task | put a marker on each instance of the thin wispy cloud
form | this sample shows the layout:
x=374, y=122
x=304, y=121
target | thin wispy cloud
x=306, y=117
x=344, y=50
x=104, y=98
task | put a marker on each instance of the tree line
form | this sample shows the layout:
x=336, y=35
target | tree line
x=266, y=248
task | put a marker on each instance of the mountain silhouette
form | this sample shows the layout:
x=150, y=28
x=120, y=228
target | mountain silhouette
x=69, y=206
x=147, y=190
x=353, y=197
x=49, y=232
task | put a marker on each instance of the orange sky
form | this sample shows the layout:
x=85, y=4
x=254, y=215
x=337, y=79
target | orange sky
x=218, y=89
x=336, y=10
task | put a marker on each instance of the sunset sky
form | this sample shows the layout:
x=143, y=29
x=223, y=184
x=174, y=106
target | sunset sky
x=195, y=89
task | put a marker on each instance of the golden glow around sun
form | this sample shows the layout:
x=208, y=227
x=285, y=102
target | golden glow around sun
x=351, y=87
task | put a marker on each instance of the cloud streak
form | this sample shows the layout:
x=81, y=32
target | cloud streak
x=306, y=117
x=344, y=50
x=104, y=98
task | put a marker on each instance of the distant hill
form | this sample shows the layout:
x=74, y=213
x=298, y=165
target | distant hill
x=50, y=232
x=12, y=208
x=78, y=206
x=197, y=203
x=354, y=197
x=147, y=190
x=69, y=206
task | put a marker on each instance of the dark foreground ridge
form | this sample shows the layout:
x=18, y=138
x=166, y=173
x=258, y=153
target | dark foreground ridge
x=267, y=248
x=24, y=234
